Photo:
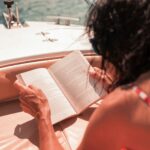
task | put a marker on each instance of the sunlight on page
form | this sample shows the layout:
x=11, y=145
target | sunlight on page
x=60, y=107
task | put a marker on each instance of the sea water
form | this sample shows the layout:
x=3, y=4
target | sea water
x=39, y=10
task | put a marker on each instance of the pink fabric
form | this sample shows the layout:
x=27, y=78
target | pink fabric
x=141, y=94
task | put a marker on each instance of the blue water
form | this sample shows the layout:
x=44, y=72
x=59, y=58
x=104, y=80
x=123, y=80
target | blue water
x=38, y=10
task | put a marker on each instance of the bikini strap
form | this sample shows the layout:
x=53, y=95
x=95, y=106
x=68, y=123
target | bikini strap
x=141, y=94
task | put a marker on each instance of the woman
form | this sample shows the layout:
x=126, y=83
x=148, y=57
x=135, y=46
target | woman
x=120, y=31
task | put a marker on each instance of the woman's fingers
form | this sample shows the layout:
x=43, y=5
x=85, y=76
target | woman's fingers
x=29, y=106
x=23, y=89
x=39, y=93
x=24, y=102
x=108, y=80
x=100, y=74
x=37, y=90
x=33, y=101
x=95, y=72
x=19, y=86
x=29, y=91
x=91, y=71
x=33, y=88
x=27, y=110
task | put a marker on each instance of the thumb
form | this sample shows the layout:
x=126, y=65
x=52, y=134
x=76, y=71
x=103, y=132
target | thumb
x=95, y=72
x=92, y=71
x=19, y=86
x=22, y=88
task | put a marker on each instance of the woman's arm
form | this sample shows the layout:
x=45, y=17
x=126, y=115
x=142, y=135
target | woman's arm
x=101, y=133
x=34, y=102
x=47, y=137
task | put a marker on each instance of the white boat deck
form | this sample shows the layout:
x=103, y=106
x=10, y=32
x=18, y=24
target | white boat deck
x=38, y=40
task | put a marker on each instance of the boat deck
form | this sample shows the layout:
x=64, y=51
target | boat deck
x=39, y=40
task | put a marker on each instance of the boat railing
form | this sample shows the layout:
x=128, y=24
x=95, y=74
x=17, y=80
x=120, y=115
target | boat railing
x=63, y=19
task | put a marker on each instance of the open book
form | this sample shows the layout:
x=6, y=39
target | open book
x=67, y=85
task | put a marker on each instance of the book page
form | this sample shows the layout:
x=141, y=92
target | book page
x=72, y=74
x=59, y=105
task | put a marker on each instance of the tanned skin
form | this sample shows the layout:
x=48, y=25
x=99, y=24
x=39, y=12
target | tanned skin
x=122, y=119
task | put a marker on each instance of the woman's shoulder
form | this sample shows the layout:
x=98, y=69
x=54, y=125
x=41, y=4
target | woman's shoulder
x=144, y=82
x=124, y=97
x=120, y=97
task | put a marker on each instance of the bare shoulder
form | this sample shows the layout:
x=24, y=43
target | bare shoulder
x=116, y=105
x=123, y=105
x=124, y=102
x=120, y=98
x=125, y=97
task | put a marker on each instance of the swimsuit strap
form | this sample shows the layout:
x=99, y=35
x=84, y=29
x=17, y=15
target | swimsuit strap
x=144, y=96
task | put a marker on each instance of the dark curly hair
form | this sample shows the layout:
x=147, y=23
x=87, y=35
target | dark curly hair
x=121, y=34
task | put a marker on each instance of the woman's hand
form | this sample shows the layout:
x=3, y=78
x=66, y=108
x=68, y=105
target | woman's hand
x=101, y=76
x=33, y=101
